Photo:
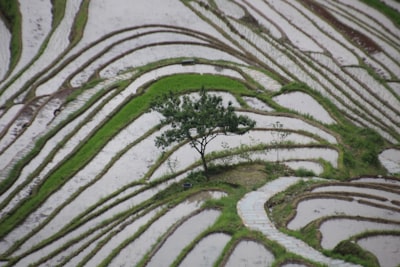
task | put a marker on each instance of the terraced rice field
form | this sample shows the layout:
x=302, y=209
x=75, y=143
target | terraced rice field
x=82, y=182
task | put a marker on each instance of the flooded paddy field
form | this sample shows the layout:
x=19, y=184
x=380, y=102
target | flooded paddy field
x=83, y=181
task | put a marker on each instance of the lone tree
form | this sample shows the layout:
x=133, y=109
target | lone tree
x=198, y=121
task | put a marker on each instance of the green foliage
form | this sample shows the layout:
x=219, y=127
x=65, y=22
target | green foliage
x=275, y=170
x=385, y=9
x=348, y=159
x=366, y=144
x=350, y=251
x=80, y=22
x=187, y=82
x=359, y=148
x=58, y=11
x=10, y=11
x=198, y=121
x=302, y=172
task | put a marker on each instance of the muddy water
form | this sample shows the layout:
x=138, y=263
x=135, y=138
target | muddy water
x=206, y=252
x=250, y=253
x=386, y=248
x=336, y=230
x=312, y=209
x=182, y=237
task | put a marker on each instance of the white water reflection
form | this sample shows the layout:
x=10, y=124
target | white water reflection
x=304, y=104
x=385, y=247
x=312, y=209
x=182, y=237
x=230, y=8
x=4, y=49
x=378, y=180
x=186, y=155
x=134, y=252
x=250, y=253
x=390, y=159
x=336, y=230
x=256, y=103
x=264, y=80
x=206, y=251
x=338, y=189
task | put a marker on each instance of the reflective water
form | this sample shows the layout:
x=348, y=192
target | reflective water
x=250, y=253
x=312, y=209
x=304, y=104
x=362, y=190
x=206, y=252
x=385, y=247
x=256, y=103
x=182, y=237
x=336, y=230
x=146, y=240
x=390, y=159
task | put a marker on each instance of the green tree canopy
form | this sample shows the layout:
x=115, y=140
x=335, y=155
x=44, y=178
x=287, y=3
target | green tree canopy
x=198, y=121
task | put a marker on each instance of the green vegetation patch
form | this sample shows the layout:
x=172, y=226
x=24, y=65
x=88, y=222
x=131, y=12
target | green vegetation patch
x=391, y=13
x=352, y=252
x=10, y=11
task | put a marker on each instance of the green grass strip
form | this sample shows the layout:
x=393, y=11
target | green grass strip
x=389, y=12
x=10, y=11
x=133, y=109
x=58, y=11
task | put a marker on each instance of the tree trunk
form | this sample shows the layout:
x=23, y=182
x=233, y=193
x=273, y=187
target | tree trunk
x=203, y=159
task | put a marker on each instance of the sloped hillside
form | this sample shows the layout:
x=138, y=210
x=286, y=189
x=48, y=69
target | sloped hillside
x=316, y=182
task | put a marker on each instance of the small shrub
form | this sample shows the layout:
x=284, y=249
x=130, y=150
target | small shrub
x=348, y=160
x=353, y=252
x=302, y=172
